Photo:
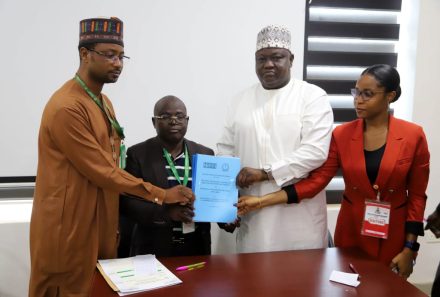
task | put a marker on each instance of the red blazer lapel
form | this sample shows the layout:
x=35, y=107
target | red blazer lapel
x=391, y=154
x=357, y=161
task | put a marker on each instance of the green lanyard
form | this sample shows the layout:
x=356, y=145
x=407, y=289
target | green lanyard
x=113, y=122
x=119, y=130
x=173, y=167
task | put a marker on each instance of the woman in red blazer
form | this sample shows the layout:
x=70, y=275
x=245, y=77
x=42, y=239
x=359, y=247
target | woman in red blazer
x=384, y=160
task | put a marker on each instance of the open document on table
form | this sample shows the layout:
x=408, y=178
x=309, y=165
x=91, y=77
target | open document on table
x=135, y=274
x=213, y=183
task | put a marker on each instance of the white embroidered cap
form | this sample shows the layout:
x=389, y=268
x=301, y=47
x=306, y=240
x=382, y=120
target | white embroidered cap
x=274, y=36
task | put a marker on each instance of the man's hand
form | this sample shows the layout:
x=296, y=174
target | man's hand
x=248, y=176
x=179, y=194
x=180, y=213
x=433, y=224
x=247, y=204
x=230, y=227
x=403, y=263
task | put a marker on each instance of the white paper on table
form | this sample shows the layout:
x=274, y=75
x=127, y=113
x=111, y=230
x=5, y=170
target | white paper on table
x=138, y=273
x=162, y=278
x=145, y=264
x=350, y=279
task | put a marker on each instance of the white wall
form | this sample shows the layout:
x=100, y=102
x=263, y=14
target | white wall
x=14, y=247
x=426, y=113
x=13, y=278
x=201, y=51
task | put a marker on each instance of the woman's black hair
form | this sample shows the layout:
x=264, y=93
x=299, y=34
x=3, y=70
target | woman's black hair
x=387, y=77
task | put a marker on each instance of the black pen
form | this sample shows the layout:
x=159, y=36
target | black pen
x=353, y=269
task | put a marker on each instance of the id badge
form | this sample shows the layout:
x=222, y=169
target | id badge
x=122, y=155
x=376, y=219
x=188, y=228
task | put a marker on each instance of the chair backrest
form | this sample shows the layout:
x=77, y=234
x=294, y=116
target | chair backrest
x=330, y=240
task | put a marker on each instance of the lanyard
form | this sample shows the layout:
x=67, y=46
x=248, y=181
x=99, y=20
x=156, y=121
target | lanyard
x=173, y=167
x=114, y=123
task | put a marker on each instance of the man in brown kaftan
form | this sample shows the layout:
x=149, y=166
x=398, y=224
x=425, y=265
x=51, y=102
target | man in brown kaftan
x=75, y=211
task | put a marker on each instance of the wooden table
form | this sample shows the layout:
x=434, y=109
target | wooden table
x=292, y=273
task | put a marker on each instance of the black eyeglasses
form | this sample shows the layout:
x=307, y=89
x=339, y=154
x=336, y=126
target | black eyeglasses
x=110, y=56
x=178, y=118
x=366, y=95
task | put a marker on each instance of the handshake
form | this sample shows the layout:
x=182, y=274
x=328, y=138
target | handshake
x=179, y=194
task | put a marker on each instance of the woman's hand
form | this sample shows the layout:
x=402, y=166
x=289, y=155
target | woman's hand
x=247, y=204
x=403, y=263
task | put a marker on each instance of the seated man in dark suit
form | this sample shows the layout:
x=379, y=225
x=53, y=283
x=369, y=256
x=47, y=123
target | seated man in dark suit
x=165, y=161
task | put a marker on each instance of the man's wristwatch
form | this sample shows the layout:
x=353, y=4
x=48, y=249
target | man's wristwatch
x=268, y=170
x=412, y=245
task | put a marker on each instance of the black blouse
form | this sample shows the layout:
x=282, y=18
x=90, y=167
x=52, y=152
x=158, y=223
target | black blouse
x=372, y=162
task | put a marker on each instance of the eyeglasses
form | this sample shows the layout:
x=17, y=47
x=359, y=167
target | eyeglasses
x=178, y=118
x=110, y=56
x=366, y=95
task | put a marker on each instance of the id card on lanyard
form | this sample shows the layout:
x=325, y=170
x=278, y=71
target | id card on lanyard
x=122, y=155
x=376, y=220
x=113, y=123
x=186, y=227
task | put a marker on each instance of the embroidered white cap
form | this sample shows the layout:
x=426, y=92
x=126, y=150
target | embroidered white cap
x=274, y=36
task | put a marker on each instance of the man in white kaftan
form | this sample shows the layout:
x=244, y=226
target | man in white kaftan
x=280, y=128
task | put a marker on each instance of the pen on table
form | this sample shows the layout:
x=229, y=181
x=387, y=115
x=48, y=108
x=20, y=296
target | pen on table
x=196, y=267
x=191, y=266
x=353, y=269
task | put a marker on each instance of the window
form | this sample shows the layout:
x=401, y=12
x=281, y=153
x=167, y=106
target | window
x=342, y=38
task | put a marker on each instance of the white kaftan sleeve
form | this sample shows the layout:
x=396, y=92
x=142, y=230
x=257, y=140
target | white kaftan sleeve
x=317, y=126
x=226, y=143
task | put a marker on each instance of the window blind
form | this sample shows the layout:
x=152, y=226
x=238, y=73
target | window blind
x=342, y=38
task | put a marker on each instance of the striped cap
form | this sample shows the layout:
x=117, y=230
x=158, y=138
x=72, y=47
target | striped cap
x=100, y=30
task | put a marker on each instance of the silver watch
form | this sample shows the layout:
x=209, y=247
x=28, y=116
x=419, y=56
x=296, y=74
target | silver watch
x=268, y=170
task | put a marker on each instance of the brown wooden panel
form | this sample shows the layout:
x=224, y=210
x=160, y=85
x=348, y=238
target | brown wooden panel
x=344, y=114
x=367, y=4
x=16, y=179
x=334, y=196
x=289, y=273
x=22, y=192
x=339, y=87
x=350, y=59
x=359, y=30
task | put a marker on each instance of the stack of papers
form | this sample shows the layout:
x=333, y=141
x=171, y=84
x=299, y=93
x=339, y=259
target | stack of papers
x=350, y=279
x=213, y=183
x=135, y=274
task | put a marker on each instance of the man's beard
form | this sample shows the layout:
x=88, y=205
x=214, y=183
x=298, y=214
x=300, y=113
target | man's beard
x=104, y=79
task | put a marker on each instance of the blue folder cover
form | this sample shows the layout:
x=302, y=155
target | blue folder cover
x=213, y=183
